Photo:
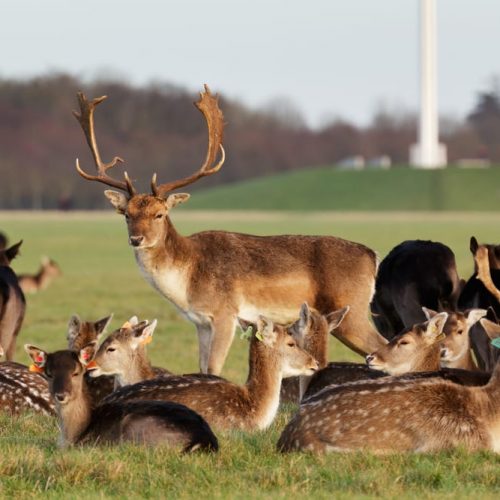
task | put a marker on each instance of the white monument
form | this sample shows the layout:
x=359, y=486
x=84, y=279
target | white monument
x=428, y=153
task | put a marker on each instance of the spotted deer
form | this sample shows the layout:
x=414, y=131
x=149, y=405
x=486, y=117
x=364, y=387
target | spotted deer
x=274, y=354
x=214, y=277
x=22, y=390
x=144, y=422
x=311, y=332
x=32, y=283
x=456, y=347
x=12, y=302
x=123, y=355
x=391, y=416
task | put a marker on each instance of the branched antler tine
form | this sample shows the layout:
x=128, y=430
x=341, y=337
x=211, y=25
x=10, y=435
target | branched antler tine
x=86, y=119
x=209, y=106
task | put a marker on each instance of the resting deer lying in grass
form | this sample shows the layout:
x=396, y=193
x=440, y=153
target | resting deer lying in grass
x=32, y=283
x=144, y=422
x=397, y=416
x=22, y=390
x=12, y=302
x=274, y=354
x=123, y=355
x=214, y=277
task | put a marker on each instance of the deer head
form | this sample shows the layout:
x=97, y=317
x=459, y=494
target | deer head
x=493, y=253
x=9, y=254
x=410, y=350
x=456, y=343
x=81, y=333
x=64, y=370
x=147, y=214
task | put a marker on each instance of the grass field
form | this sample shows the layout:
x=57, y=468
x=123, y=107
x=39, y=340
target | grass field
x=326, y=188
x=100, y=276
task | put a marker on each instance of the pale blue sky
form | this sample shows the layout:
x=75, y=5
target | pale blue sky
x=330, y=57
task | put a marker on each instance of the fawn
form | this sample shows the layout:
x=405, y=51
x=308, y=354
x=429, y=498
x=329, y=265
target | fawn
x=392, y=415
x=274, y=354
x=144, y=422
x=32, y=283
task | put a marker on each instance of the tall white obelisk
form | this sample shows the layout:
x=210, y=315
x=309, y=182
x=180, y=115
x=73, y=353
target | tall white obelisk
x=428, y=153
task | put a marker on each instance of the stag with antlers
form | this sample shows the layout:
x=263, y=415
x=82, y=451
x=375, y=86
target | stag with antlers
x=214, y=277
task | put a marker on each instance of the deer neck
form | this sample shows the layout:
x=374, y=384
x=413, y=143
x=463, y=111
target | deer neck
x=74, y=417
x=166, y=266
x=428, y=360
x=263, y=383
x=139, y=369
x=43, y=278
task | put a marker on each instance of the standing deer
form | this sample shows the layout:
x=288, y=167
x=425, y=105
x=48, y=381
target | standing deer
x=398, y=416
x=415, y=273
x=12, y=302
x=144, y=422
x=32, y=283
x=274, y=354
x=214, y=277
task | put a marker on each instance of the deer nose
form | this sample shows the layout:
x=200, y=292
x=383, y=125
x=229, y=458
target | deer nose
x=135, y=241
x=60, y=396
x=369, y=358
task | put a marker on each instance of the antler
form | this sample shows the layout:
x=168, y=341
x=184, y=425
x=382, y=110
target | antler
x=86, y=120
x=209, y=106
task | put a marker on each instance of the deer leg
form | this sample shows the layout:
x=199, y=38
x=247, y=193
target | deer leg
x=223, y=328
x=204, y=340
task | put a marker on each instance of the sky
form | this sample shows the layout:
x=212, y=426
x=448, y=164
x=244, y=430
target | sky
x=330, y=58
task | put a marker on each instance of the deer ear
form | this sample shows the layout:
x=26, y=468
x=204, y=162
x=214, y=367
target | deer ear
x=265, y=331
x=11, y=253
x=101, y=325
x=87, y=353
x=143, y=334
x=429, y=313
x=491, y=329
x=117, y=199
x=474, y=315
x=38, y=356
x=304, y=316
x=435, y=326
x=176, y=199
x=473, y=245
x=336, y=317
x=73, y=328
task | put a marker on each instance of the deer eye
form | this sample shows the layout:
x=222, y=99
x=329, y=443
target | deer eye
x=111, y=349
x=291, y=344
x=404, y=342
x=158, y=216
x=75, y=374
x=460, y=332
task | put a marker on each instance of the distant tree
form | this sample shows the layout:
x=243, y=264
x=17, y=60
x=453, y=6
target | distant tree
x=485, y=120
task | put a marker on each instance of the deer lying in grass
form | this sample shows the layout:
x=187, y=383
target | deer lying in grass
x=123, y=355
x=12, y=302
x=398, y=416
x=22, y=390
x=417, y=350
x=274, y=354
x=214, y=277
x=32, y=283
x=144, y=422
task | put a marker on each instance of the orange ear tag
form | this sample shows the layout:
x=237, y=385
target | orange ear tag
x=147, y=340
x=35, y=369
x=92, y=365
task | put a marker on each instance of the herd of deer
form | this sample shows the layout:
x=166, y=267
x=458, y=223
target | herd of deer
x=431, y=380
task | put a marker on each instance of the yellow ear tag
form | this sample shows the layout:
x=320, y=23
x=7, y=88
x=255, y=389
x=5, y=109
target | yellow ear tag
x=35, y=369
x=126, y=325
x=147, y=340
x=440, y=337
x=259, y=336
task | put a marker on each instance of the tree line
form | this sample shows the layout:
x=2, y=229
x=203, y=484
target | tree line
x=156, y=129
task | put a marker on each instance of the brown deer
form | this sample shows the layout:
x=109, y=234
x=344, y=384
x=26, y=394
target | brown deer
x=214, y=277
x=274, y=354
x=311, y=332
x=12, y=302
x=123, y=355
x=144, y=422
x=32, y=283
x=390, y=416
x=456, y=347
x=22, y=390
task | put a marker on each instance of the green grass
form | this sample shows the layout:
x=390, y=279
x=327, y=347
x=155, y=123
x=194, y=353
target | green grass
x=100, y=276
x=325, y=188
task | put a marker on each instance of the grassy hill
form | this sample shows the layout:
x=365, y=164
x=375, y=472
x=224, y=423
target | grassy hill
x=325, y=188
